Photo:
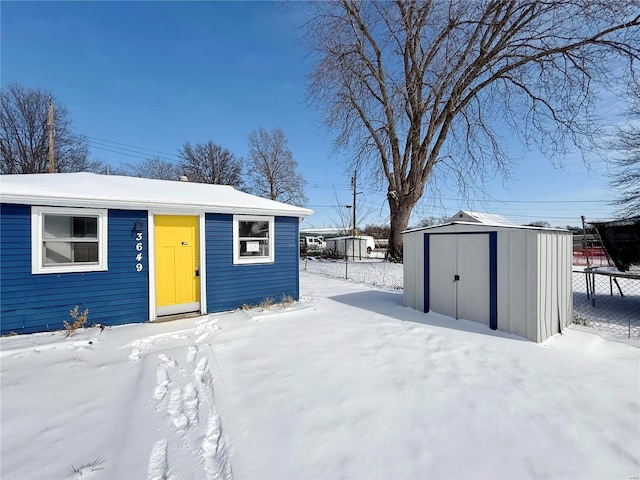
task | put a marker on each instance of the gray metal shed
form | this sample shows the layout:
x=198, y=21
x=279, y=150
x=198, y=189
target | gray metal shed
x=510, y=278
x=354, y=248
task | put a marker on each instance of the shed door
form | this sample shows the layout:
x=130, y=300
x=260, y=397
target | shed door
x=177, y=253
x=473, y=271
x=459, y=276
x=442, y=269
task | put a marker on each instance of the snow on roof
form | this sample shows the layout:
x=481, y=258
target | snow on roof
x=324, y=230
x=131, y=193
x=480, y=225
x=486, y=218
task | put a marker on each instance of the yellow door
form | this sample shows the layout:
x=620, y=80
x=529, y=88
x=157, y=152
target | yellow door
x=177, y=262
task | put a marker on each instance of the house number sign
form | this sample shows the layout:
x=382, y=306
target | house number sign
x=139, y=250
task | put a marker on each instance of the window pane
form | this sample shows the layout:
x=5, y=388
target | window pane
x=85, y=227
x=68, y=239
x=65, y=226
x=85, y=252
x=259, y=229
x=57, y=252
x=254, y=248
x=57, y=226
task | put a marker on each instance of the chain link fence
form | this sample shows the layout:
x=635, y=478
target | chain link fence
x=607, y=301
x=374, y=271
x=601, y=300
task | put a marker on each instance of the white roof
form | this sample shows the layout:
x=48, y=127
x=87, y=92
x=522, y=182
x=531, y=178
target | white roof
x=324, y=230
x=486, y=218
x=477, y=225
x=132, y=193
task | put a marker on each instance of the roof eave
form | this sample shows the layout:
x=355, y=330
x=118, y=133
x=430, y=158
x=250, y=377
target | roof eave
x=152, y=206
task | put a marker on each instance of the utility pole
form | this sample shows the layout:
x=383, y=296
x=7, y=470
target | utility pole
x=52, y=132
x=353, y=184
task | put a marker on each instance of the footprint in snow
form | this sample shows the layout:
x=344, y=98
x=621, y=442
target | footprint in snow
x=191, y=354
x=158, y=463
x=162, y=384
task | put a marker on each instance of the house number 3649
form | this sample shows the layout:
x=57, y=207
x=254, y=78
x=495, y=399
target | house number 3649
x=139, y=250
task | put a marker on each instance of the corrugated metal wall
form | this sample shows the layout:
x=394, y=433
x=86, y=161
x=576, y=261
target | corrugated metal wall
x=516, y=278
x=31, y=303
x=533, y=277
x=413, y=270
x=554, y=257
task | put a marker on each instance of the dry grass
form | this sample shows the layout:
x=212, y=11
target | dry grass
x=88, y=467
x=266, y=303
x=79, y=320
x=269, y=302
x=287, y=301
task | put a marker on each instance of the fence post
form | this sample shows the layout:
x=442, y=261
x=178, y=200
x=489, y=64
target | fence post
x=346, y=261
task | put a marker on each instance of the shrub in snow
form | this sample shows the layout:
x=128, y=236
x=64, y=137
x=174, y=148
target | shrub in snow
x=79, y=320
x=87, y=468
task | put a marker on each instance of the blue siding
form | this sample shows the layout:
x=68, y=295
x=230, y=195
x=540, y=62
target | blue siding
x=31, y=303
x=230, y=286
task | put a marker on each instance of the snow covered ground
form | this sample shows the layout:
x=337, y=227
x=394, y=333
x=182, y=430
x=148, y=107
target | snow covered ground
x=347, y=383
x=374, y=271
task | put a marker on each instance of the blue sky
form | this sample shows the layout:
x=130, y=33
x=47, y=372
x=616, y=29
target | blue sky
x=142, y=78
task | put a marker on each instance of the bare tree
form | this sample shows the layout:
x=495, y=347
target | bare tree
x=539, y=223
x=627, y=165
x=155, y=167
x=377, y=231
x=341, y=218
x=342, y=215
x=433, y=220
x=24, y=135
x=273, y=170
x=421, y=89
x=211, y=163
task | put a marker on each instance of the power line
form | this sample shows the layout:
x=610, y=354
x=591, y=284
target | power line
x=131, y=146
x=329, y=186
x=135, y=151
x=116, y=151
x=134, y=154
x=534, y=201
x=377, y=192
x=545, y=217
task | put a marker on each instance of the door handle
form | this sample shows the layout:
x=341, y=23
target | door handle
x=197, y=271
x=456, y=278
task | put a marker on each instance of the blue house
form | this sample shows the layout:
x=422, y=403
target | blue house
x=135, y=250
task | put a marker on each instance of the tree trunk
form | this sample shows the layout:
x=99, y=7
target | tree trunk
x=400, y=213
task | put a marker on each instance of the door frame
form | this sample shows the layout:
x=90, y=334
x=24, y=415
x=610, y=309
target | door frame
x=493, y=271
x=153, y=314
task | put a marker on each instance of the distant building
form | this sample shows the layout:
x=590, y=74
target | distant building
x=324, y=232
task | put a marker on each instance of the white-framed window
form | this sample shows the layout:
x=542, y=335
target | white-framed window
x=68, y=240
x=253, y=239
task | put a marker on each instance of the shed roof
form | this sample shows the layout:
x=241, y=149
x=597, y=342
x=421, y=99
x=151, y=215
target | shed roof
x=477, y=217
x=485, y=225
x=131, y=193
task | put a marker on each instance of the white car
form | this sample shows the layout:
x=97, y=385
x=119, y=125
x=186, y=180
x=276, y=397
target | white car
x=312, y=244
